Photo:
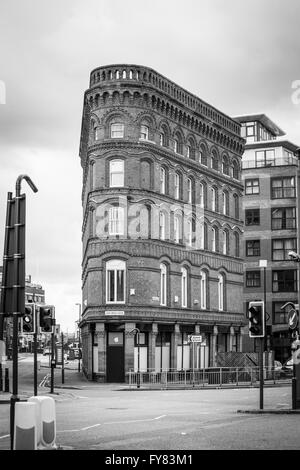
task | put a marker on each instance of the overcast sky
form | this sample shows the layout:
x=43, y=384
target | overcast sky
x=240, y=56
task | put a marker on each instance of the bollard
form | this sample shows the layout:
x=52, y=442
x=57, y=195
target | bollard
x=46, y=421
x=25, y=432
x=6, y=380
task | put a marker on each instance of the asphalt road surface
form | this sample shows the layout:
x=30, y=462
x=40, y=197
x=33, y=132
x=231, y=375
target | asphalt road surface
x=99, y=417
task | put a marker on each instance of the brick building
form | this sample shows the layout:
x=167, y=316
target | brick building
x=162, y=222
x=270, y=170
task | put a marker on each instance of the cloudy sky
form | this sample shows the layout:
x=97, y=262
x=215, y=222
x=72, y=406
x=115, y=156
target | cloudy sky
x=240, y=56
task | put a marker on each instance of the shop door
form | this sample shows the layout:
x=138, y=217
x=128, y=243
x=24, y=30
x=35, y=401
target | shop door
x=115, y=357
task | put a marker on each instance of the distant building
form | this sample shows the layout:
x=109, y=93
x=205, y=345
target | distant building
x=270, y=169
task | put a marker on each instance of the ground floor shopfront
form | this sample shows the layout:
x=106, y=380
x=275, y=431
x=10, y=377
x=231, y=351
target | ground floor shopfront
x=112, y=349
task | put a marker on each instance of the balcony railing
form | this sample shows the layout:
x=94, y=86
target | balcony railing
x=279, y=161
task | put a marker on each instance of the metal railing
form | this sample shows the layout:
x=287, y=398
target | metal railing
x=277, y=161
x=215, y=376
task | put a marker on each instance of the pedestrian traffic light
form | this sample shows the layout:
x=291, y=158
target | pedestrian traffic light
x=28, y=320
x=256, y=319
x=47, y=320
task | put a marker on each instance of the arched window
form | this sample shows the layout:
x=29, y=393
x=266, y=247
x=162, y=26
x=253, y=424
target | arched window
x=225, y=165
x=92, y=221
x=201, y=195
x=236, y=206
x=221, y=291
x=225, y=203
x=178, y=144
x=203, y=155
x=115, y=281
x=190, y=153
x=237, y=244
x=190, y=226
x=117, y=130
x=116, y=220
x=162, y=225
x=177, y=229
x=225, y=242
x=214, y=199
x=183, y=287
x=163, y=180
x=214, y=239
x=235, y=170
x=177, y=186
x=163, y=284
x=190, y=190
x=203, y=287
x=201, y=236
x=164, y=137
x=144, y=134
x=92, y=175
x=116, y=173
x=214, y=160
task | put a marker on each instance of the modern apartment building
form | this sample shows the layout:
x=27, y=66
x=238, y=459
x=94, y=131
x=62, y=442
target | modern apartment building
x=270, y=169
x=162, y=224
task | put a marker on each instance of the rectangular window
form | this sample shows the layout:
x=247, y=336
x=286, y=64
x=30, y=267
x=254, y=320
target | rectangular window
x=117, y=131
x=115, y=282
x=265, y=158
x=281, y=248
x=253, y=248
x=116, y=221
x=285, y=280
x=253, y=279
x=283, y=218
x=252, y=217
x=116, y=173
x=252, y=186
x=283, y=188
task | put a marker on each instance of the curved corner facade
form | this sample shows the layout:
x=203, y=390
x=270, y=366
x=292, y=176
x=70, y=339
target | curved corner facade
x=161, y=226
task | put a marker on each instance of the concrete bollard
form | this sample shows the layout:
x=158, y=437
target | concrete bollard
x=46, y=421
x=25, y=432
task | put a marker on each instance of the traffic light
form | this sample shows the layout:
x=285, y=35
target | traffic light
x=256, y=319
x=47, y=320
x=28, y=320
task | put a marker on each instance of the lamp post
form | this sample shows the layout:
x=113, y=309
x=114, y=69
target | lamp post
x=79, y=305
x=137, y=330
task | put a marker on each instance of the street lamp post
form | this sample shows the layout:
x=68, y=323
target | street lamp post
x=79, y=305
x=137, y=330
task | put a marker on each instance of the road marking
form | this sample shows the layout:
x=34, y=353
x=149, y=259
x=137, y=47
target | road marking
x=282, y=404
x=3, y=437
x=111, y=422
x=89, y=427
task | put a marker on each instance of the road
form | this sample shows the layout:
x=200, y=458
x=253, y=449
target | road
x=99, y=417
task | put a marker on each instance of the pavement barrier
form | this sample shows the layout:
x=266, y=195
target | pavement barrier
x=45, y=420
x=25, y=429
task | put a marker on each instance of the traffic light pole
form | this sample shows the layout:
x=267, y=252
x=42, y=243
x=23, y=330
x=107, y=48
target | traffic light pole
x=17, y=286
x=261, y=373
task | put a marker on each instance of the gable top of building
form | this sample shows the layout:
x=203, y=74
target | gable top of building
x=262, y=119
